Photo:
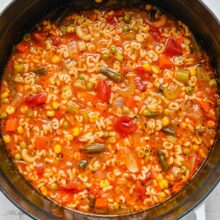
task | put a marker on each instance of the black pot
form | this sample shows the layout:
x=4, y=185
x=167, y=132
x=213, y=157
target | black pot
x=22, y=15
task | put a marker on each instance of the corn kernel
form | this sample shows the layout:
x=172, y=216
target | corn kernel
x=183, y=125
x=104, y=183
x=6, y=139
x=55, y=59
x=50, y=113
x=193, y=71
x=18, y=67
x=10, y=110
x=112, y=140
x=69, y=137
x=22, y=145
x=115, y=205
x=165, y=121
x=147, y=66
x=20, y=129
x=4, y=95
x=125, y=110
x=163, y=184
x=57, y=148
x=159, y=177
x=3, y=115
x=5, y=101
x=17, y=156
x=76, y=131
x=93, y=118
x=53, y=186
x=195, y=147
x=43, y=190
x=23, y=109
x=69, y=29
x=55, y=105
x=155, y=69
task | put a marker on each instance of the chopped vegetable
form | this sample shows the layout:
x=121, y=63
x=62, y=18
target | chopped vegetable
x=182, y=76
x=148, y=113
x=172, y=91
x=83, y=163
x=119, y=58
x=70, y=187
x=125, y=125
x=189, y=90
x=93, y=148
x=212, y=83
x=57, y=148
x=113, y=50
x=168, y=131
x=36, y=99
x=127, y=18
x=105, y=56
x=202, y=75
x=40, y=71
x=101, y=203
x=111, y=74
x=103, y=90
x=11, y=125
x=172, y=48
x=165, y=62
x=162, y=160
x=125, y=28
x=22, y=46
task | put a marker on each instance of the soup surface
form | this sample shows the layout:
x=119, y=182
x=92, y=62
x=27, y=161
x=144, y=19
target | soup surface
x=109, y=111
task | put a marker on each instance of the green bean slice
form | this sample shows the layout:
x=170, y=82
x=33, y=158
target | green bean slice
x=93, y=148
x=111, y=74
x=162, y=160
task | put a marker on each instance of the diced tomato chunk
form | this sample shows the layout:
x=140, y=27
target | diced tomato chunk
x=173, y=48
x=11, y=125
x=165, y=62
x=36, y=99
x=38, y=36
x=125, y=125
x=22, y=46
x=140, y=70
x=70, y=187
x=56, y=41
x=103, y=90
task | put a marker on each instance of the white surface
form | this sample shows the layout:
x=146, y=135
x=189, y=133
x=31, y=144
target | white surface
x=212, y=204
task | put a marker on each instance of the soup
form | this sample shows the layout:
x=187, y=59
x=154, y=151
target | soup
x=109, y=111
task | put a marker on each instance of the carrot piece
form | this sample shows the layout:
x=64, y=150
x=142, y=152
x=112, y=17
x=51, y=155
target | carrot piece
x=130, y=102
x=11, y=125
x=22, y=46
x=40, y=143
x=205, y=106
x=101, y=107
x=101, y=203
x=165, y=62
